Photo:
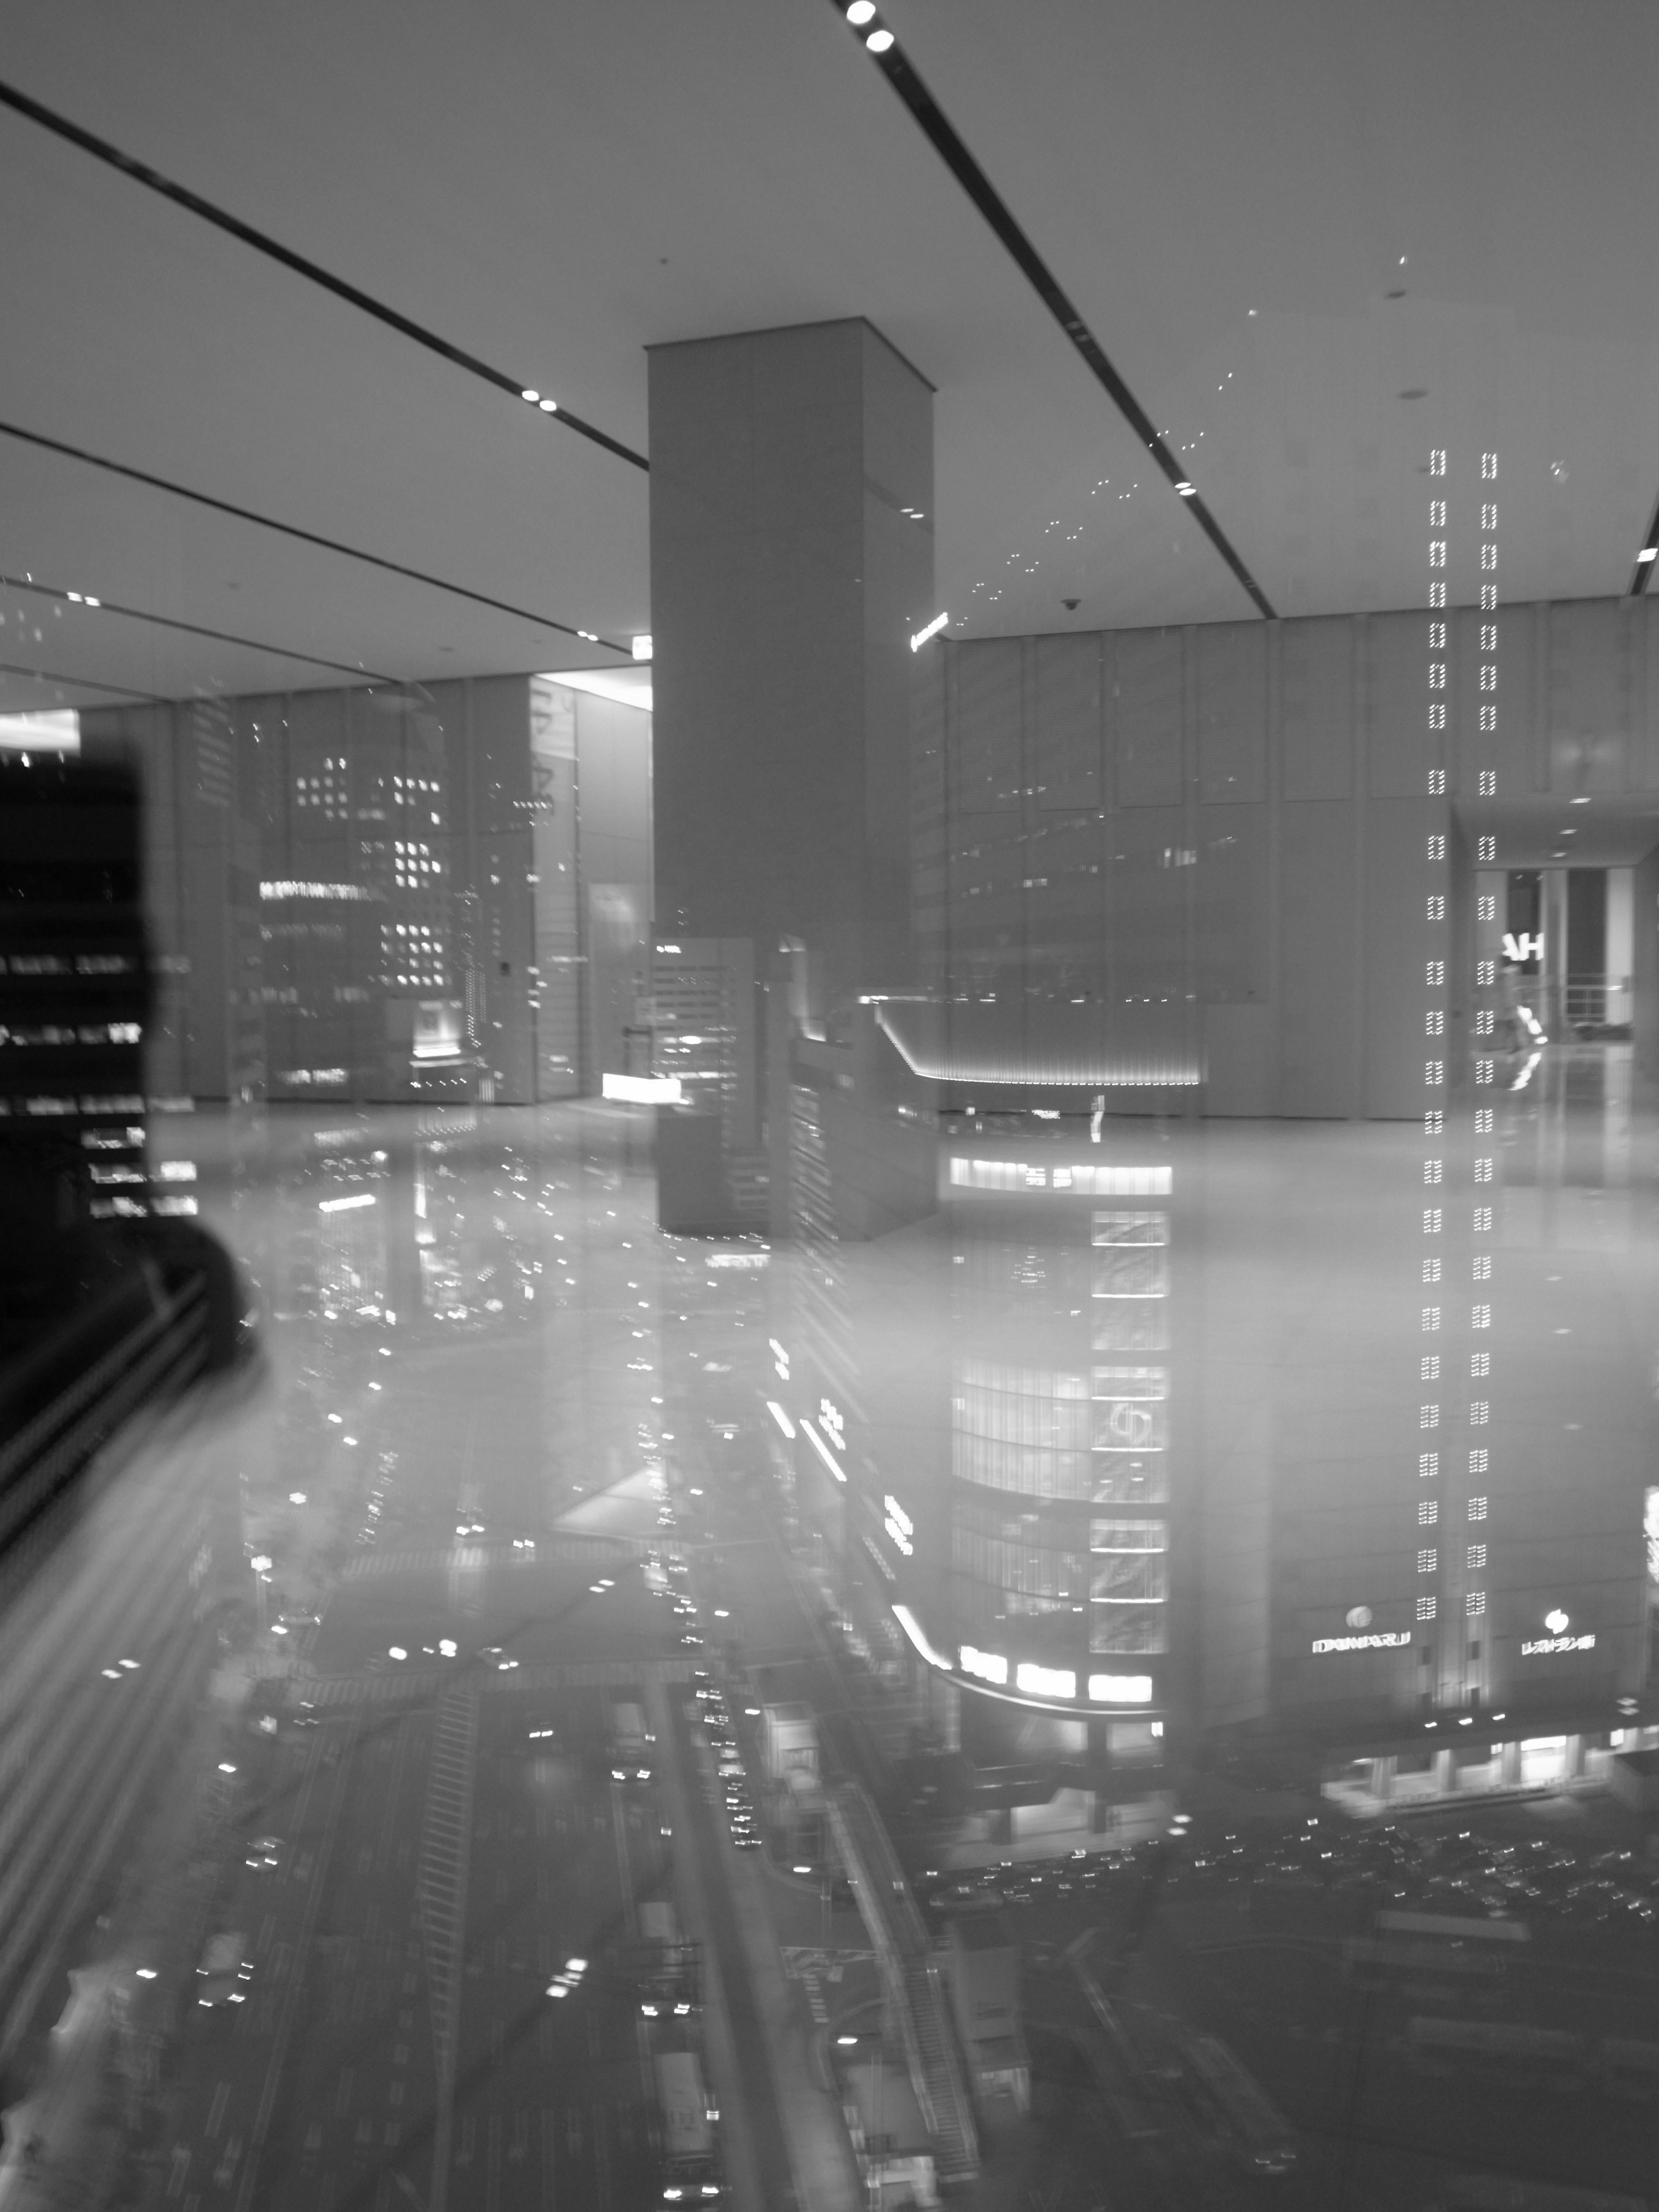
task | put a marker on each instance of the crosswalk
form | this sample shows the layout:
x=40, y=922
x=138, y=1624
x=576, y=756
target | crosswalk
x=441, y=1887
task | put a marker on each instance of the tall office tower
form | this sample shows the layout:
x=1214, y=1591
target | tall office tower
x=75, y=994
x=791, y=564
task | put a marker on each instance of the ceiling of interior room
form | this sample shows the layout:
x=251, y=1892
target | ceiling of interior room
x=1226, y=192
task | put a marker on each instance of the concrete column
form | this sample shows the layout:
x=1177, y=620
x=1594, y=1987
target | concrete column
x=1382, y=1779
x=1445, y=1772
x=792, y=560
x=1644, y=962
x=1508, y=1764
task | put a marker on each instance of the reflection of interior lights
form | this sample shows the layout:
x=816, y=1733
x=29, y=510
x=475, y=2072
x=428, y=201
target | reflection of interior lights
x=345, y=1204
x=921, y=637
x=985, y=1664
x=781, y=1417
x=823, y=1450
x=1525, y=1076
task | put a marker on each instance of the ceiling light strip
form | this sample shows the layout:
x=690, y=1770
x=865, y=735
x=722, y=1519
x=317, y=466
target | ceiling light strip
x=83, y=683
x=194, y=629
x=182, y=196
x=306, y=536
x=1646, y=562
x=941, y=135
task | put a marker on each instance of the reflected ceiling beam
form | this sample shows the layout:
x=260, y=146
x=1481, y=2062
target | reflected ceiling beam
x=193, y=629
x=82, y=683
x=941, y=133
x=306, y=536
x=140, y=173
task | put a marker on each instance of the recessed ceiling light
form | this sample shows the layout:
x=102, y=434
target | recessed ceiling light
x=879, y=41
x=532, y=397
x=1648, y=553
x=861, y=12
x=1581, y=802
x=548, y=406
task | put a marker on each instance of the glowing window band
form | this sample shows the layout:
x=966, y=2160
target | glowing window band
x=1045, y=1681
x=985, y=1664
x=975, y=1174
x=643, y=1089
x=1120, y=1689
x=288, y=888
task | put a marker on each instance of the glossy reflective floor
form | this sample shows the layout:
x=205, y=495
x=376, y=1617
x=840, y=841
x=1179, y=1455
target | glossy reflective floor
x=1205, y=1542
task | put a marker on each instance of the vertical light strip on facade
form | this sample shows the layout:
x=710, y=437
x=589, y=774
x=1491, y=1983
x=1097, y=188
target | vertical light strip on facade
x=1429, y=1503
x=1475, y=1655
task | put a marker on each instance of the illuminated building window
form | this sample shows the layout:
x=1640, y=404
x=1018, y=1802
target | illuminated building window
x=1427, y=1562
x=1477, y=1555
x=1483, y=1267
x=1479, y=1364
x=1482, y=1220
x=1430, y=1318
x=1479, y=1461
x=1435, y=975
x=1479, y=1412
x=1432, y=1171
x=1474, y=1602
x=1477, y=1509
x=1480, y=1316
x=1430, y=1368
x=1426, y=1609
x=1428, y=1465
x=1428, y=1417
x=1428, y=1512
x=1431, y=1219
x=1431, y=1272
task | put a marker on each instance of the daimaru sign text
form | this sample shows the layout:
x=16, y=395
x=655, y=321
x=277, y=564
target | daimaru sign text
x=1383, y=1640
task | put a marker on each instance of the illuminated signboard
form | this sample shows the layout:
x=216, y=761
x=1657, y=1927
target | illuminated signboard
x=985, y=1664
x=1045, y=1681
x=1386, y=1639
x=1544, y=1643
x=900, y=1527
